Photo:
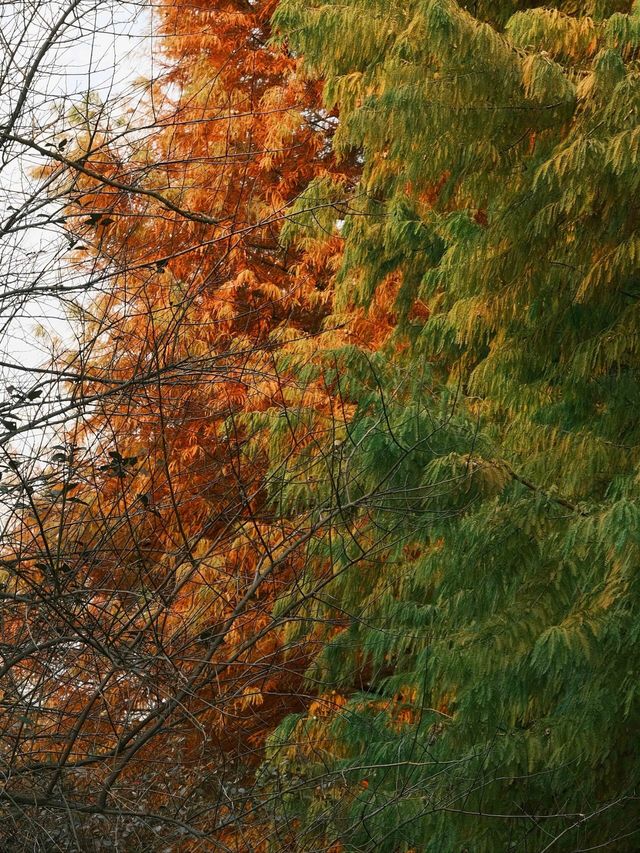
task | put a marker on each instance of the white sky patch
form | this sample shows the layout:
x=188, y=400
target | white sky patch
x=53, y=55
x=99, y=52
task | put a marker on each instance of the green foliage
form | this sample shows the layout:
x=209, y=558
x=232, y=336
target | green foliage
x=483, y=623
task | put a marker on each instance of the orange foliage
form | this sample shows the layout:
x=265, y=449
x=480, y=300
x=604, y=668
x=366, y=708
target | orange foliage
x=171, y=534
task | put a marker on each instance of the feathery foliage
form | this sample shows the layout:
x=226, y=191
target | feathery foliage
x=486, y=656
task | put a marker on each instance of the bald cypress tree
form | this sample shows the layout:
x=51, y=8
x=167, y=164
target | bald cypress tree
x=478, y=685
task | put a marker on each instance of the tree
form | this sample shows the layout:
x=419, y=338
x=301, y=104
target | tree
x=488, y=696
x=338, y=548
x=147, y=669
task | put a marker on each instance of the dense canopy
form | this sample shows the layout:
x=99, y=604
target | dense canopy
x=345, y=546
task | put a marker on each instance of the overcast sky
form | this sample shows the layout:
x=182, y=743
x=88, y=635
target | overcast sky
x=104, y=48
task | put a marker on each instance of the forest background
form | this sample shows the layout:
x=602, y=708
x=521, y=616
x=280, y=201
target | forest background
x=321, y=526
